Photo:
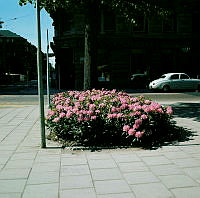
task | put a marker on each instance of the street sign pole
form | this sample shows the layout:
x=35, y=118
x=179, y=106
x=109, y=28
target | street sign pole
x=48, y=71
x=40, y=80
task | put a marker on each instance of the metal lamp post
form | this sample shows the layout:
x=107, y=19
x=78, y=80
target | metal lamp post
x=48, y=71
x=40, y=80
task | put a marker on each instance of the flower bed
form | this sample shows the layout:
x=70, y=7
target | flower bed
x=105, y=118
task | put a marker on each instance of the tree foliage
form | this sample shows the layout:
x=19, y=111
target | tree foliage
x=127, y=8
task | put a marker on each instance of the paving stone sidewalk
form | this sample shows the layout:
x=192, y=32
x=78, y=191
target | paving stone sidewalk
x=27, y=171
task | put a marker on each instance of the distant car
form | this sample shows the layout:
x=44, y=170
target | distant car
x=139, y=81
x=175, y=81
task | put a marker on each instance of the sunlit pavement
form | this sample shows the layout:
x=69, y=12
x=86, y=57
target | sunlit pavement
x=27, y=171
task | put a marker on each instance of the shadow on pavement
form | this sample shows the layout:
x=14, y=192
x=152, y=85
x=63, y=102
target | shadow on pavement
x=187, y=110
x=174, y=136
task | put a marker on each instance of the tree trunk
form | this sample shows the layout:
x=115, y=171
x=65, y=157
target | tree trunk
x=87, y=59
x=90, y=56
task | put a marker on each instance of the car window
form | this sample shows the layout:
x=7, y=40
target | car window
x=183, y=76
x=174, y=76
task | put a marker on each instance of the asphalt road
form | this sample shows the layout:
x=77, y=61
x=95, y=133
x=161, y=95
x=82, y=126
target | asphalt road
x=172, y=98
x=163, y=98
x=18, y=99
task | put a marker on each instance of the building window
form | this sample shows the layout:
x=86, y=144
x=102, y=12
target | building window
x=184, y=24
x=122, y=25
x=140, y=24
x=67, y=25
x=169, y=24
x=103, y=73
x=137, y=63
x=108, y=23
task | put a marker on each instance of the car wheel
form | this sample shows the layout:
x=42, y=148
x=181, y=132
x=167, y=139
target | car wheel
x=166, y=88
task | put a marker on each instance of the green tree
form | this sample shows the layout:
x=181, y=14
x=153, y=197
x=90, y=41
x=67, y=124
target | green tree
x=126, y=8
x=1, y=22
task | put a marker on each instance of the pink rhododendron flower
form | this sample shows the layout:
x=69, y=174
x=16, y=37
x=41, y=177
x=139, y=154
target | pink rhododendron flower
x=56, y=119
x=62, y=115
x=93, y=117
x=80, y=119
x=69, y=114
x=90, y=112
x=160, y=110
x=77, y=104
x=113, y=109
x=137, y=113
x=50, y=113
x=86, y=119
x=147, y=109
x=123, y=100
x=134, y=99
x=119, y=115
x=67, y=100
x=131, y=131
x=139, y=134
x=113, y=91
x=131, y=114
x=131, y=106
x=147, y=102
x=144, y=117
x=113, y=115
x=169, y=110
x=136, y=126
x=71, y=93
x=92, y=106
x=126, y=127
x=81, y=98
x=95, y=97
x=75, y=110
x=59, y=107
x=102, y=105
x=97, y=111
x=56, y=102
x=124, y=106
x=137, y=108
x=66, y=108
x=138, y=122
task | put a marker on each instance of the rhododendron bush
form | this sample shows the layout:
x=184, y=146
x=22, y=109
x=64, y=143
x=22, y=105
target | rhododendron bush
x=105, y=118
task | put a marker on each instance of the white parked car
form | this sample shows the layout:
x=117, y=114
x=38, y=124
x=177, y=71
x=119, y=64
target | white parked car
x=175, y=81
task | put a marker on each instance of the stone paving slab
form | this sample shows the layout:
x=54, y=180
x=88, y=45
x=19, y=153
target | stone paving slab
x=77, y=193
x=151, y=190
x=27, y=171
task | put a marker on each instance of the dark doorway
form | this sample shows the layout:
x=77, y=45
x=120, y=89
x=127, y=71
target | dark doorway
x=66, y=70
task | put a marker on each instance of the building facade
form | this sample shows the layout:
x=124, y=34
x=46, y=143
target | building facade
x=18, y=58
x=154, y=46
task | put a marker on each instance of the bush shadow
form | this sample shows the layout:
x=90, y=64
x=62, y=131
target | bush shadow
x=187, y=110
x=171, y=136
x=174, y=136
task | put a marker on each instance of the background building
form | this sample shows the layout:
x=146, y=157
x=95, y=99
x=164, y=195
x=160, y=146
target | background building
x=18, y=58
x=154, y=46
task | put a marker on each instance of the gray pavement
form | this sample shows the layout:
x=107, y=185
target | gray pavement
x=27, y=171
